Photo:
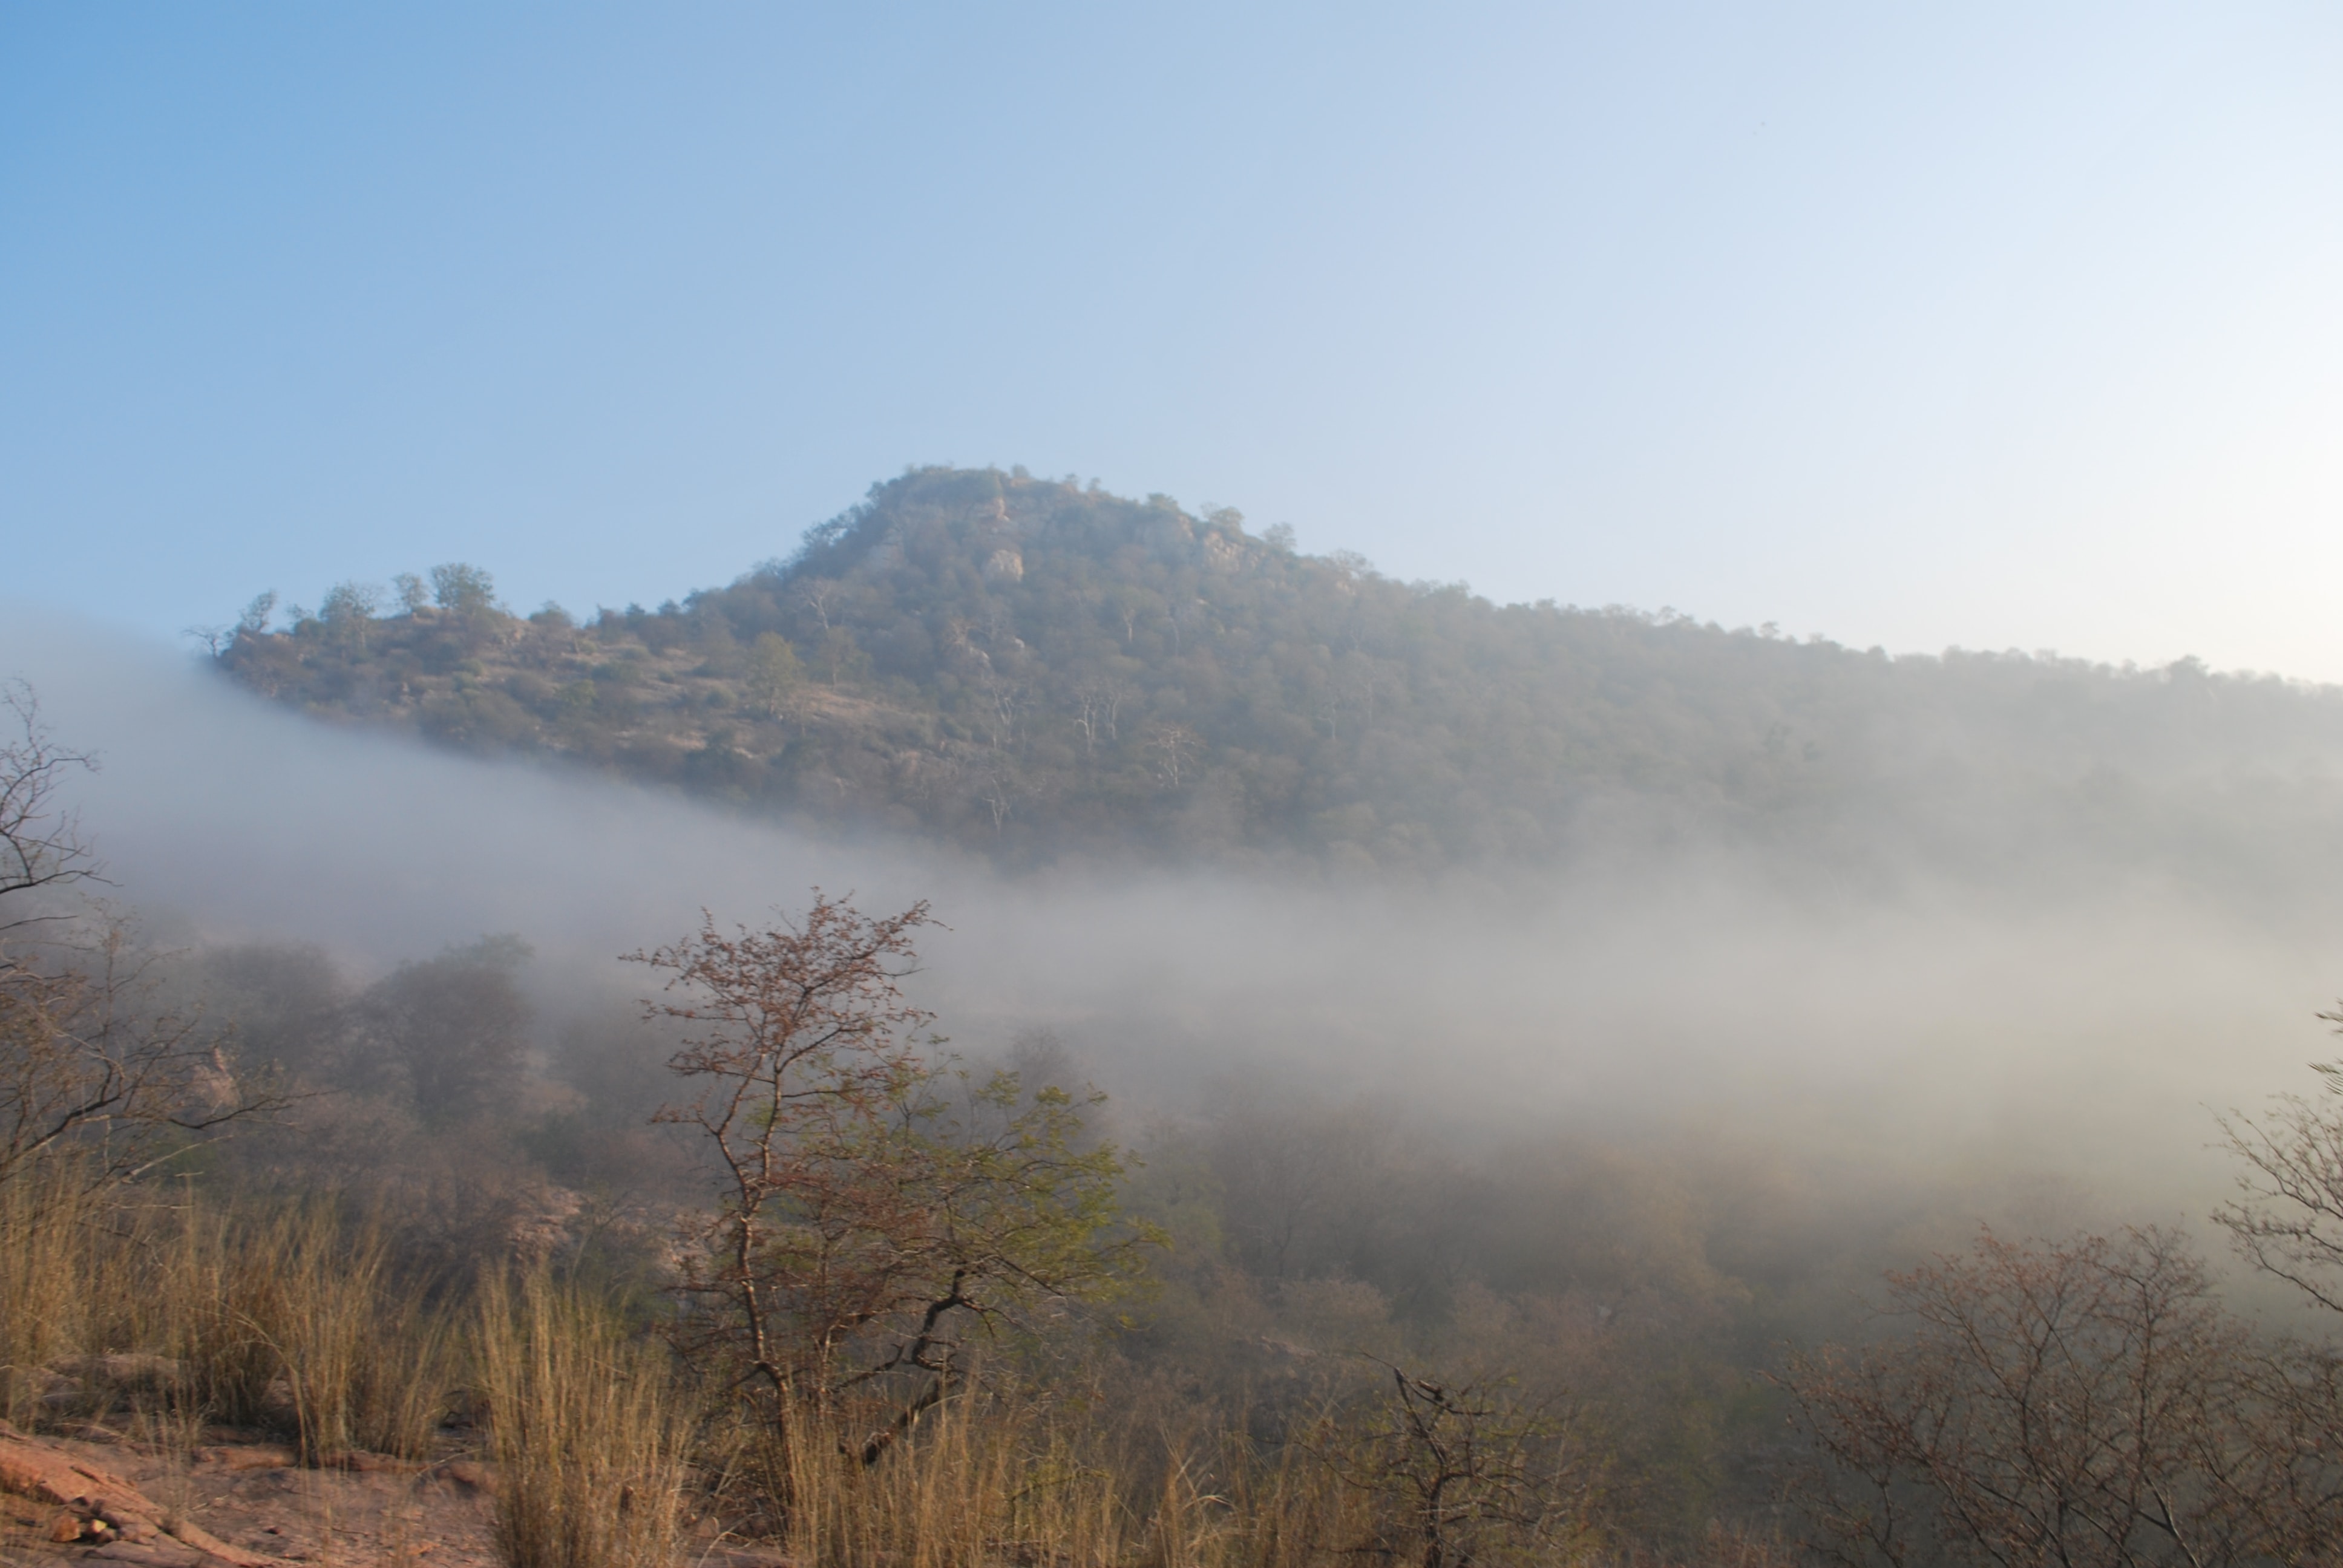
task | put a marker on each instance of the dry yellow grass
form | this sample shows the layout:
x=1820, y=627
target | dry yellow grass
x=588, y=1442
x=51, y=1240
x=284, y=1316
x=299, y=1309
x=977, y=1483
x=293, y=1318
x=991, y=1479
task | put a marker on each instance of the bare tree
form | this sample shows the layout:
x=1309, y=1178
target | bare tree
x=998, y=789
x=254, y=621
x=1004, y=700
x=788, y=1028
x=41, y=844
x=1127, y=605
x=1174, y=746
x=1466, y=1470
x=87, y=1067
x=1184, y=613
x=2087, y=1404
x=1098, y=710
x=821, y=595
x=2289, y=1223
x=86, y=1064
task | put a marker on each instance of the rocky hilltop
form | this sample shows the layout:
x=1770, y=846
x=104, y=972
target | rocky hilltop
x=1038, y=670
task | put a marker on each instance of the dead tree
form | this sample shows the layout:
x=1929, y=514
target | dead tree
x=1464, y=1471
x=2087, y=1404
x=41, y=846
x=89, y=1070
x=89, y=1066
x=2290, y=1221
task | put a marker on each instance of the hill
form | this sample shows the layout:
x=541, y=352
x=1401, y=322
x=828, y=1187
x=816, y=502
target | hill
x=1037, y=670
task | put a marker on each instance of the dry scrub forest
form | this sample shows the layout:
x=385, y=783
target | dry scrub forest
x=1040, y=674
x=758, y=1269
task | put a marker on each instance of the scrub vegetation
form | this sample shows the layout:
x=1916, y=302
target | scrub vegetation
x=754, y=1259
x=1040, y=673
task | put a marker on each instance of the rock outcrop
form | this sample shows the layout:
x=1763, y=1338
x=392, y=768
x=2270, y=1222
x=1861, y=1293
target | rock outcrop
x=95, y=1505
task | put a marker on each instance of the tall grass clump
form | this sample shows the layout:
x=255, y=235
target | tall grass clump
x=299, y=1317
x=51, y=1231
x=274, y=1317
x=586, y=1429
x=1284, y=1509
x=77, y=1279
x=219, y=1330
x=992, y=1479
x=982, y=1481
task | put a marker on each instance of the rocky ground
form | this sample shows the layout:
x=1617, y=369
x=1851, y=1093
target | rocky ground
x=223, y=1497
x=232, y=1499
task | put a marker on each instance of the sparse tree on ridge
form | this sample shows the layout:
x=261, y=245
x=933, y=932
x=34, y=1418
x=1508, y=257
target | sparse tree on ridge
x=462, y=590
x=348, y=608
x=254, y=620
x=774, y=674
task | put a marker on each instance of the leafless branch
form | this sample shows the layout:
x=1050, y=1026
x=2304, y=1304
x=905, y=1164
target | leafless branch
x=41, y=844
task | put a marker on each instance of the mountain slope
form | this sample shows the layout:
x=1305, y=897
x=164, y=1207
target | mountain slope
x=1036, y=672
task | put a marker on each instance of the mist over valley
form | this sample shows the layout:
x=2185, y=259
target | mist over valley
x=1588, y=1002
x=1982, y=918
x=1705, y=931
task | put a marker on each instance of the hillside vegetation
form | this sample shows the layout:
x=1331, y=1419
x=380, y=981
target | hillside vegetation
x=750, y=1267
x=1037, y=670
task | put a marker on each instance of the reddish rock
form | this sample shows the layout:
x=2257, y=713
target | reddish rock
x=103, y=1504
x=247, y=1456
x=470, y=1475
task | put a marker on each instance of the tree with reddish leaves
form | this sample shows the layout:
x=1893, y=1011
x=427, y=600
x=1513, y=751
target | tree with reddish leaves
x=882, y=1208
x=794, y=1037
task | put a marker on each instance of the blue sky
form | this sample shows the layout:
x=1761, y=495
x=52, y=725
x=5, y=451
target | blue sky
x=1989, y=324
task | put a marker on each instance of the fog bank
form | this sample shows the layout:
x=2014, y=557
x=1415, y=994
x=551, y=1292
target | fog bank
x=1951, y=1026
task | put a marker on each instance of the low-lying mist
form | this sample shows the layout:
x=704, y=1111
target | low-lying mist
x=2039, y=1060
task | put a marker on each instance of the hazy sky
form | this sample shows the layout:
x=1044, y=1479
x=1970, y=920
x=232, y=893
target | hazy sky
x=1994, y=325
